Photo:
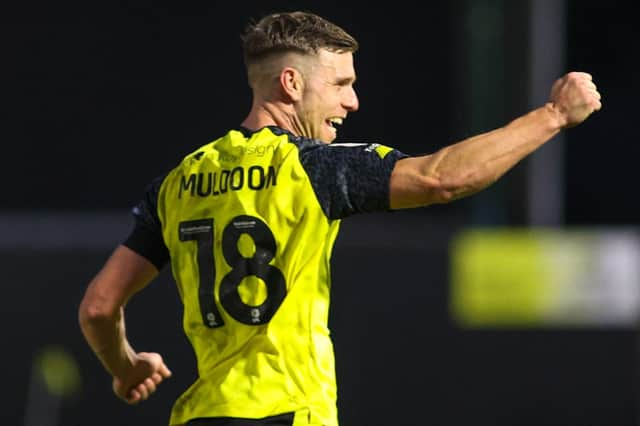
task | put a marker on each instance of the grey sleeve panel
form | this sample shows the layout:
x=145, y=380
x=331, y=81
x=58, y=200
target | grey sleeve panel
x=349, y=178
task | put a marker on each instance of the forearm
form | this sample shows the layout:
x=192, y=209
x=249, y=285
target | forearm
x=471, y=165
x=101, y=312
x=106, y=336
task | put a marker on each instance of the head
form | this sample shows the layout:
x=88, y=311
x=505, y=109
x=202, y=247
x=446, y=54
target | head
x=302, y=65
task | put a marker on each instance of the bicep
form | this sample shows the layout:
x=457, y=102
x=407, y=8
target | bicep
x=123, y=274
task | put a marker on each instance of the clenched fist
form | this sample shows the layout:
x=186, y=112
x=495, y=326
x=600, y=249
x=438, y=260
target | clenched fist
x=575, y=97
x=141, y=380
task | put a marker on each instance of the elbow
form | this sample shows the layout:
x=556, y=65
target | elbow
x=443, y=181
x=448, y=189
x=430, y=190
x=92, y=312
x=89, y=313
x=421, y=182
x=446, y=194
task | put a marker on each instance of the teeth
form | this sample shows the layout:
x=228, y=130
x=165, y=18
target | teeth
x=336, y=120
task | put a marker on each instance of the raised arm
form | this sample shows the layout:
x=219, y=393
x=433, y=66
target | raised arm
x=101, y=317
x=471, y=165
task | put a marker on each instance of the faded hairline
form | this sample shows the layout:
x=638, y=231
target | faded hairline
x=268, y=69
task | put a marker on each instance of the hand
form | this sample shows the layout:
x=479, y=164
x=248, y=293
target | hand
x=575, y=97
x=141, y=380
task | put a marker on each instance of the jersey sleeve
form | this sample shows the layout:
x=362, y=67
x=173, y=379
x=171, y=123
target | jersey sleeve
x=146, y=235
x=350, y=178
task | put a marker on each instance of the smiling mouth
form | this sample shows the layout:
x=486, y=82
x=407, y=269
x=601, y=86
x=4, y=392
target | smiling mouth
x=335, y=122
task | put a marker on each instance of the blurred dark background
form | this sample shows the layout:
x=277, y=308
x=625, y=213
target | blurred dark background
x=96, y=101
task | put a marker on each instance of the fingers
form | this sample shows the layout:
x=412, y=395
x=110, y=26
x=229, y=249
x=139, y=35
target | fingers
x=142, y=379
x=575, y=97
x=597, y=105
x=591, y=86
x=156, y=378
x=591, y=95
x=580, y=74
x=142, y=391
x=582, y=79
x=134, y=397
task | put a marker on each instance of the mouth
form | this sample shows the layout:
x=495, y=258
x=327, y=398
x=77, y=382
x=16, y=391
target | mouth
x=335, y=122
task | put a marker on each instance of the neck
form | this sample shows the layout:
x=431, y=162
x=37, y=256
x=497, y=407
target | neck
x=278, y=114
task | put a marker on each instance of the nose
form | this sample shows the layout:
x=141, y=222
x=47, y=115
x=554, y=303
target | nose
x=351, y=102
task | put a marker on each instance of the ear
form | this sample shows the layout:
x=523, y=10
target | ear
x=292, y=83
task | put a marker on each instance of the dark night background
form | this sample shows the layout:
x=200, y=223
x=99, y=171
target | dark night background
x=96, y=101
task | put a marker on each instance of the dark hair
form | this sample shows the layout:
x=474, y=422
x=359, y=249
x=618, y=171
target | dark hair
x=302, y=32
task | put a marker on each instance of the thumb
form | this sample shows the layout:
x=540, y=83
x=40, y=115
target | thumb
x=156, y=363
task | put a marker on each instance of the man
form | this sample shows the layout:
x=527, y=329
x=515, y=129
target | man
x=248, y=223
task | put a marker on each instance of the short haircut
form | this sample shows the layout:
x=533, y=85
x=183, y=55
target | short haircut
x=301, y=32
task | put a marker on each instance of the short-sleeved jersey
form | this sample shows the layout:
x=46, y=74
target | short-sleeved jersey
x=248, y=222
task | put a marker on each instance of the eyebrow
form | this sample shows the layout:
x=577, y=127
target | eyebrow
x=346, y=80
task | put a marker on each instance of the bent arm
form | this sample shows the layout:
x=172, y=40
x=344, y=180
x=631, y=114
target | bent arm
x=473, y=164
x=101, y=312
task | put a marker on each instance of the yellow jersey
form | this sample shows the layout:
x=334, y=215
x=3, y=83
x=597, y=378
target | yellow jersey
x=248, y=223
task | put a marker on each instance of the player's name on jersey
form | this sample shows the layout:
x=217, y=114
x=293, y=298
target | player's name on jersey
x=221, y=181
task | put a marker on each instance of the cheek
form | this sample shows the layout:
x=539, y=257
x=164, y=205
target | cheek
x=314, y=107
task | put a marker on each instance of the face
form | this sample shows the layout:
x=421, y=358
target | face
x=328, y=95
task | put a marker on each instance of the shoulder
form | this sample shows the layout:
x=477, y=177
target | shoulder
x=350, y=152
